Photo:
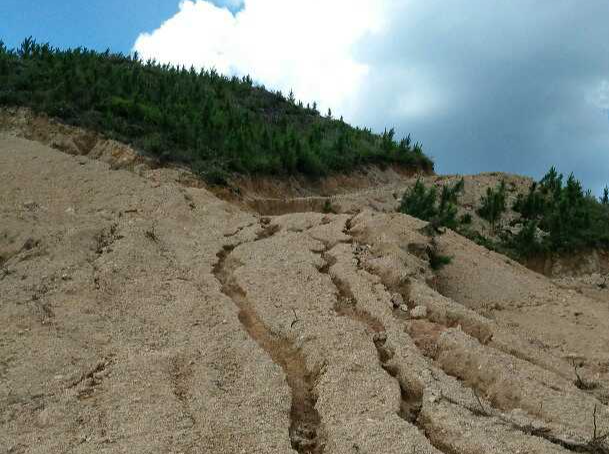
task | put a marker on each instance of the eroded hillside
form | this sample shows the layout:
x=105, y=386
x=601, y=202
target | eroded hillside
x=142, y=314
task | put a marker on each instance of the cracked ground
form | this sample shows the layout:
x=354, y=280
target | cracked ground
x=139, y=315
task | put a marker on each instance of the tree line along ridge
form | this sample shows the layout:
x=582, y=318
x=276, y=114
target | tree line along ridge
x=213, y=123
x=556, y=215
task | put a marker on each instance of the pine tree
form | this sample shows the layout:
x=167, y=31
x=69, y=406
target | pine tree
x=493, y=205
x=420, y=202
x=447, y=209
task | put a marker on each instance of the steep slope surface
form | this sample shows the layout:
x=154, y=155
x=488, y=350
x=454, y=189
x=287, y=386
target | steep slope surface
x=142, y=315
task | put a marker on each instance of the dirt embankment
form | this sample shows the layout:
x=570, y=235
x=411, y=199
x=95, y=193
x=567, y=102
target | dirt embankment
x=144, y=315
x=272, y=194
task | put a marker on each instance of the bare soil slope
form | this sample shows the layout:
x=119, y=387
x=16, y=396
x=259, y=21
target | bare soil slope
x=142, y=315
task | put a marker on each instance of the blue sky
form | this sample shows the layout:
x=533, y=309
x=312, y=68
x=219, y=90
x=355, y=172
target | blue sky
x=508, y=85
x=96, y=24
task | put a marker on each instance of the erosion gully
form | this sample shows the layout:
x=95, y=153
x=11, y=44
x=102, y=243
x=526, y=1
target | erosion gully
x=305, y=422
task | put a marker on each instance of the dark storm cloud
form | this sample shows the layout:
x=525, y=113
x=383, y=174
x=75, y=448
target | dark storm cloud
x=503, y=85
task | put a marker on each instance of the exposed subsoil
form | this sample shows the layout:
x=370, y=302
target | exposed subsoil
x=141, y=313
x=304, y=419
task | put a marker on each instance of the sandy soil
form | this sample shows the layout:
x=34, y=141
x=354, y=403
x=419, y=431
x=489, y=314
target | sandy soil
x=143, y=315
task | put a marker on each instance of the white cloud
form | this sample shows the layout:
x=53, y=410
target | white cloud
x=304, y=45
x=483, y=85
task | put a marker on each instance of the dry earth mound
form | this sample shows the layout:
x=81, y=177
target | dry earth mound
x=140, y=315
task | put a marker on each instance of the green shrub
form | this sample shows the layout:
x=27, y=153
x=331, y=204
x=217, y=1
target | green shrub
x=211, y=174
x=153, y=143
x=437, y=261
x=466, y=219
x=526, y=242
x=328, y=208
x=532, y=205
x=482, y=240
x=447, y=209
x=493, y=205
x=422, y=203
x=571, y=218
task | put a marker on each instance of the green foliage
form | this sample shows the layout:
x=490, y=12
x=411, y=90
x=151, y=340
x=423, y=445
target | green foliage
x=532, y=205
x=437, y=261
x=482, y=240
x=212, y=175
x=570, y=217
x=423, y=203
x=466, y=219
x=447, y=209
x=450, y=194
x=199, y=118
x=605, y=197
x=420, y=202
x=328, y=208
x=216, y=177
x=526, y=242
x=493, y=205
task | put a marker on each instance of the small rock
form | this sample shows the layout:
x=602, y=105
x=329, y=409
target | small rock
x=573, y=357
x=404, y=308
x=102, y=374
x=30, y=205
x=380, y=338
x=419, y=312
x=397, y=300
x=30, y=244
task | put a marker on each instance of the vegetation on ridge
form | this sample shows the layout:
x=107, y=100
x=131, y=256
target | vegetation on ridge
x=555, y=216
x=493, y=205
x=209, y=121
x=422, y=203
x=569, y=217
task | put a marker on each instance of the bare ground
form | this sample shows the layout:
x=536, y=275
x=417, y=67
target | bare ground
x=142, y=314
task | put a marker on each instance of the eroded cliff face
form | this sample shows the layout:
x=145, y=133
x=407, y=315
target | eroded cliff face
x=141, y=314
